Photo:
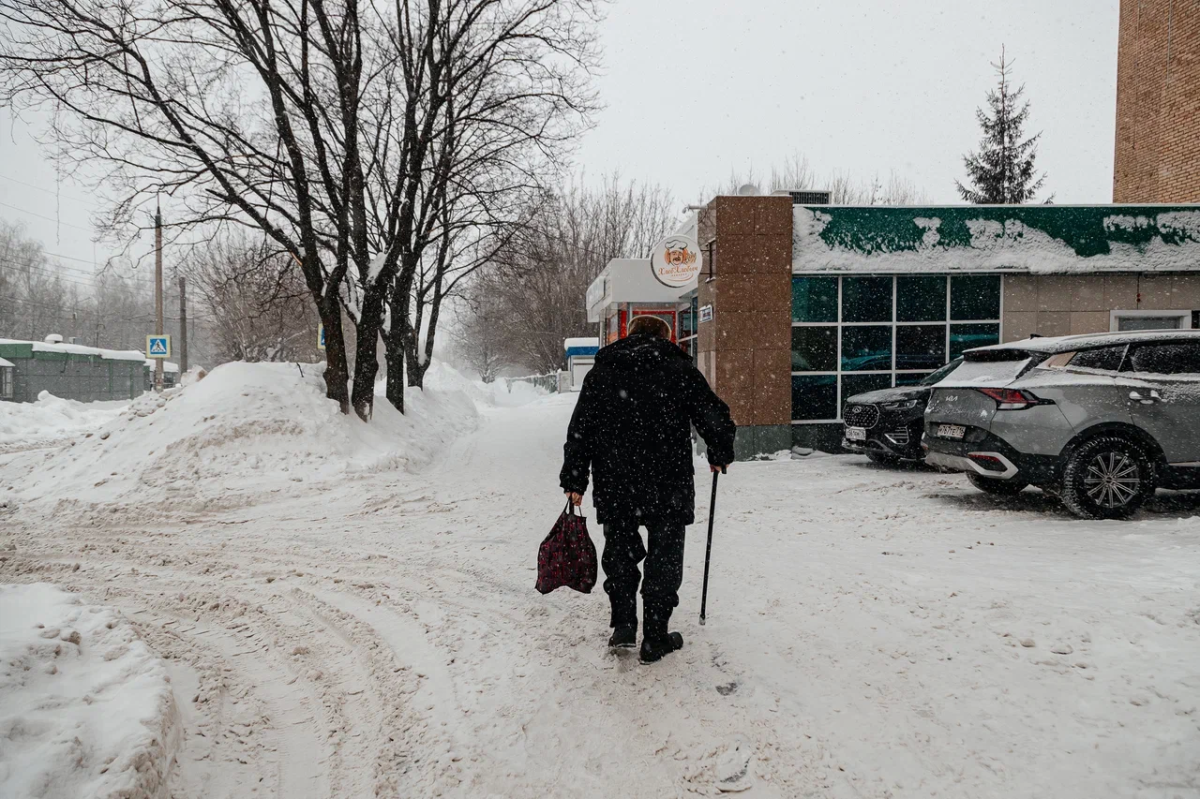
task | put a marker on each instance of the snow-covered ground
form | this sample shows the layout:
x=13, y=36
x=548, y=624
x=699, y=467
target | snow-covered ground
x=51, y=421
x=373, y=631
x=86, y=709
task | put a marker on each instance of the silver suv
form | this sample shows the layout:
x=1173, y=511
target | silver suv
x=1101, y=420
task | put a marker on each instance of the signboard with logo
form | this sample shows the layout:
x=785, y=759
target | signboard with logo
x=706, y=313
x=675, y=262
x=158, y=347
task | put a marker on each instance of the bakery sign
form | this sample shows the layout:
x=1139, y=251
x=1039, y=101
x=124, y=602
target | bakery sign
x=676, y=261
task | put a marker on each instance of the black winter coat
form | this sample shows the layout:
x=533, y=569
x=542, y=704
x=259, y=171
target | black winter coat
x=632, y=428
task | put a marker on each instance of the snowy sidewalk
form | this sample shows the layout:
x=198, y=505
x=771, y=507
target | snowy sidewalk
x=871, y=633
x=86, y=709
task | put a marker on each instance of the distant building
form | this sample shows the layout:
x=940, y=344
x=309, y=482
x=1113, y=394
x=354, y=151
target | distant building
x=69, y=371
x=1158, y=103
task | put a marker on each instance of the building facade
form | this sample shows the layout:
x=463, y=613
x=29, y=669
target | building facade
x=70, y=371
x=1158, y=103
x=802, y=307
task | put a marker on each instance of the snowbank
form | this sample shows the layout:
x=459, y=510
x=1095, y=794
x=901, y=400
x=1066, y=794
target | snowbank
x=27, y=425
x=244, y=431
x=86, y=709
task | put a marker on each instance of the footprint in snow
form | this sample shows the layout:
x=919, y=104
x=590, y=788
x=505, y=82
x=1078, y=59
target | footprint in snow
x=733, y=768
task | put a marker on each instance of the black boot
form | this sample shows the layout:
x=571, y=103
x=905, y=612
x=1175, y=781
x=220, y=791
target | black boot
x=624, y=637
x=655, y=649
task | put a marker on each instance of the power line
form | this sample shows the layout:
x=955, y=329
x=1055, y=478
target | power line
x=47, y=218
x=105, y=317
x=57, y=194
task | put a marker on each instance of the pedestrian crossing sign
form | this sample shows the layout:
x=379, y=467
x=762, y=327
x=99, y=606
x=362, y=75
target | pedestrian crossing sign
x=158, y=346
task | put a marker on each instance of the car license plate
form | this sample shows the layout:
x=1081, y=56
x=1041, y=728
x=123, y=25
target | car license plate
x=955, y=431
x=856, y=434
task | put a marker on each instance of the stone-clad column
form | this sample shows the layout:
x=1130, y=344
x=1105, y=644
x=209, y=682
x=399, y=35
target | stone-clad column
x=745, y=351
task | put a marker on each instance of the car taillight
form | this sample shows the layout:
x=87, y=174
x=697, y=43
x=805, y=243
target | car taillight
x=1011, y=399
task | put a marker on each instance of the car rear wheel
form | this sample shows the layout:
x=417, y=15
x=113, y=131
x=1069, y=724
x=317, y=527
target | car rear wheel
x=1107, y=478
x=999, y=488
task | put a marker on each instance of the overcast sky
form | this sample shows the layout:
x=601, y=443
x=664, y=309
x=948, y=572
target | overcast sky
x=697, y=89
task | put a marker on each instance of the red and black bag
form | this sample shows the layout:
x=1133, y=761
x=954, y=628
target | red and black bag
x=567, y=556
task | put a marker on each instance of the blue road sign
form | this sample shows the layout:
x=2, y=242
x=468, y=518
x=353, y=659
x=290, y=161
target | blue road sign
x=158, y=346
x=321, y=338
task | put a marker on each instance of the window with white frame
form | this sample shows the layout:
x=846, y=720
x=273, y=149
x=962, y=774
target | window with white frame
x=857, y=333
x=1149, y=320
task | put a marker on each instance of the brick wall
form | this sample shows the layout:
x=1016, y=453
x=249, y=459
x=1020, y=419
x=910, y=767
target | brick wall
x=1158, y=102
x=745, y=351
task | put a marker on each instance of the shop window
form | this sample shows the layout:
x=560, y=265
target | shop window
x=920, y=298
x=920, y=346
x=861, y=384
x=867, y=349
x=814, y=349
x=966, y=337
x=975, y=297
x=814, y=397
x=814, y=299
x=867, y=299
x=911, y=379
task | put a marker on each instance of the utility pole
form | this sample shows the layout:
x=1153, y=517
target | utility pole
x=183, y=331
x=158, y=293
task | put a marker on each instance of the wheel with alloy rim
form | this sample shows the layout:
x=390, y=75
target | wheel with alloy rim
x=1107, y=478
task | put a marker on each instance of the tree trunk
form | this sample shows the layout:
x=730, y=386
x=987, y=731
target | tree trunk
x=393, y=343
x=417, y=367
x=337, y=375
x=366, y=359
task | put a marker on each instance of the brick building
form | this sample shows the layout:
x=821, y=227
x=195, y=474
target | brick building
x=804, y=306
x=1158, y=103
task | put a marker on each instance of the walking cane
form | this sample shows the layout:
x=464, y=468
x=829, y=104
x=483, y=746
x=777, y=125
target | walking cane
x=712, y=508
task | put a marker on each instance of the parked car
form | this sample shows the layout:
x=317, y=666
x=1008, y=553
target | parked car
x=886, y=425
x=1100, y=420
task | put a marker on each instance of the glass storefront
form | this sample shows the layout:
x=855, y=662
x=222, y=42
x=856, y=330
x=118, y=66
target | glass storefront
x=854, y=334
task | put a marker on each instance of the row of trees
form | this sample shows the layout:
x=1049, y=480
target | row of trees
x=115, y=309
x=378, y=150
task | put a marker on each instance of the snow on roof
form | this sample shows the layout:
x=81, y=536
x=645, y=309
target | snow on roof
x=5, y=363
x=571, y=343
x=79, y=349
x=1041, y=239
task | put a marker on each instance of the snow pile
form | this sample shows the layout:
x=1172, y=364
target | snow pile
x=28, y=425
x=244, y=431
x=85, y=708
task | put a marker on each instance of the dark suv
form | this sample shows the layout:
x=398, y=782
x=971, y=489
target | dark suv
x=1099, y=420
x=886, y=425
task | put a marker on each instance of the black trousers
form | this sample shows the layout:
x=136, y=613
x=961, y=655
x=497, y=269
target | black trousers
x=623, y=551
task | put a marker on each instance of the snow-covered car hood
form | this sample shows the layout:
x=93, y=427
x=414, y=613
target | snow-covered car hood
x=889, y=395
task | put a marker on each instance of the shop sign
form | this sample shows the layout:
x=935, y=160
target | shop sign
x=706, y=313
x=676, y=261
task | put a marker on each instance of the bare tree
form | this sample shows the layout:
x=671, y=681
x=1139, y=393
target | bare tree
x=541, y=280
x=475, y=339
x=256, y=300
x=330, y=125
x=796, y=173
